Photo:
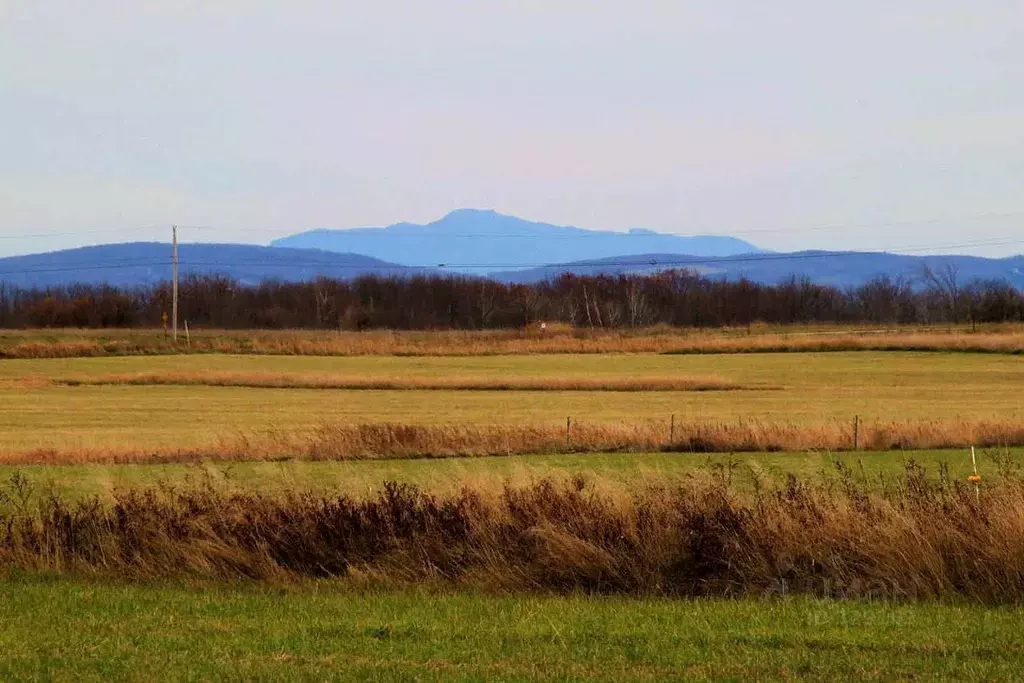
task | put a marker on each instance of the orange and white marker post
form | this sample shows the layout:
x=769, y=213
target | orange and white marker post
x=975, y=478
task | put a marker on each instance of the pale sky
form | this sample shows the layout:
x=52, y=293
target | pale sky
x=794, y=124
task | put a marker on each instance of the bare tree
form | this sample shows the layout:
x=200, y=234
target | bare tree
x=586, y=304
x=321, y=301
x=486, y=302
x=945, y=283
x=636, y=303
x=883, y=299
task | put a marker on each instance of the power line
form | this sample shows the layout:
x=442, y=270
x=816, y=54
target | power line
x=100, y=231
x=90, y=266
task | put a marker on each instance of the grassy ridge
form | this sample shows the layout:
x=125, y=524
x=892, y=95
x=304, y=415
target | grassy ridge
x=86, y=631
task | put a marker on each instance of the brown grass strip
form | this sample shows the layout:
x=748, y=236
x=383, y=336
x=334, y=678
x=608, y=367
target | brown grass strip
x=920, y=537
x=397, y=441
x=295, y=381
x=1008, y=339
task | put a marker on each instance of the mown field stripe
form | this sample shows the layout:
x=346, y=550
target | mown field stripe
x=439, y=383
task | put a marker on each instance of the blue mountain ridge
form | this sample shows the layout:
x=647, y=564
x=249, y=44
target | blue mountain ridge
x=476, y=241
x=480, y=243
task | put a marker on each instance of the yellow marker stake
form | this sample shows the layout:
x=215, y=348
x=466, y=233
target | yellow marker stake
x=975, y=478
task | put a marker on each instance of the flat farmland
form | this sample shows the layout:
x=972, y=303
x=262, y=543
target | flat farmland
x=40, y=411
x=541, y=563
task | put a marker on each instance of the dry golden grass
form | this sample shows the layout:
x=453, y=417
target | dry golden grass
x=819, y=388
x=758, y=339
x=888, y=341
x=438, y=383
x=395, y=441
x=920, y=537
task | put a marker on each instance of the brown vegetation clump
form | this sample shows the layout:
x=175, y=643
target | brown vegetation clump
x=68, y=349
x=921, y=537
x=335, y=441
x=439, y=383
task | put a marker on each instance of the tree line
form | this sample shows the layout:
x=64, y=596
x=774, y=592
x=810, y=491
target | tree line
x=676, y=297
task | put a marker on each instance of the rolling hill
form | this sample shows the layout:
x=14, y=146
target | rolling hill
x=841, y=269
x=140, y=263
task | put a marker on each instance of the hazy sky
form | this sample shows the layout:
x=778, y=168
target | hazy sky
x=794, y=124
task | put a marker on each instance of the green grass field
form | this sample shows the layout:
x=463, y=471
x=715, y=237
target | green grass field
x=625, y=470
x=73, y=630
x=816, y=388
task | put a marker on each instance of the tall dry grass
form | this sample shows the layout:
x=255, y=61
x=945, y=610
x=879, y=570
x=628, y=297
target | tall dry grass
x=332, y=441
x=1007, y=339
x=921, y=537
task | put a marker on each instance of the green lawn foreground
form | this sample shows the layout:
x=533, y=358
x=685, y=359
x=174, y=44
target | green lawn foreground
x=76, y=630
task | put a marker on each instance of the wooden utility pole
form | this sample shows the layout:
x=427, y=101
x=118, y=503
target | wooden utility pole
x=174, y=284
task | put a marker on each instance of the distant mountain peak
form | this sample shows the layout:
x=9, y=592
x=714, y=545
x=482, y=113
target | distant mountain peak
x=479, y=220
x=479, y=240
x=471, y=213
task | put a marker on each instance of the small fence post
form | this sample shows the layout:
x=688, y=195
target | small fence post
x=568, y=424
x=672, y=430
x=856, y=432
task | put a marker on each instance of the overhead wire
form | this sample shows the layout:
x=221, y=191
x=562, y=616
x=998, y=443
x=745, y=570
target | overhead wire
x=100, y=231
